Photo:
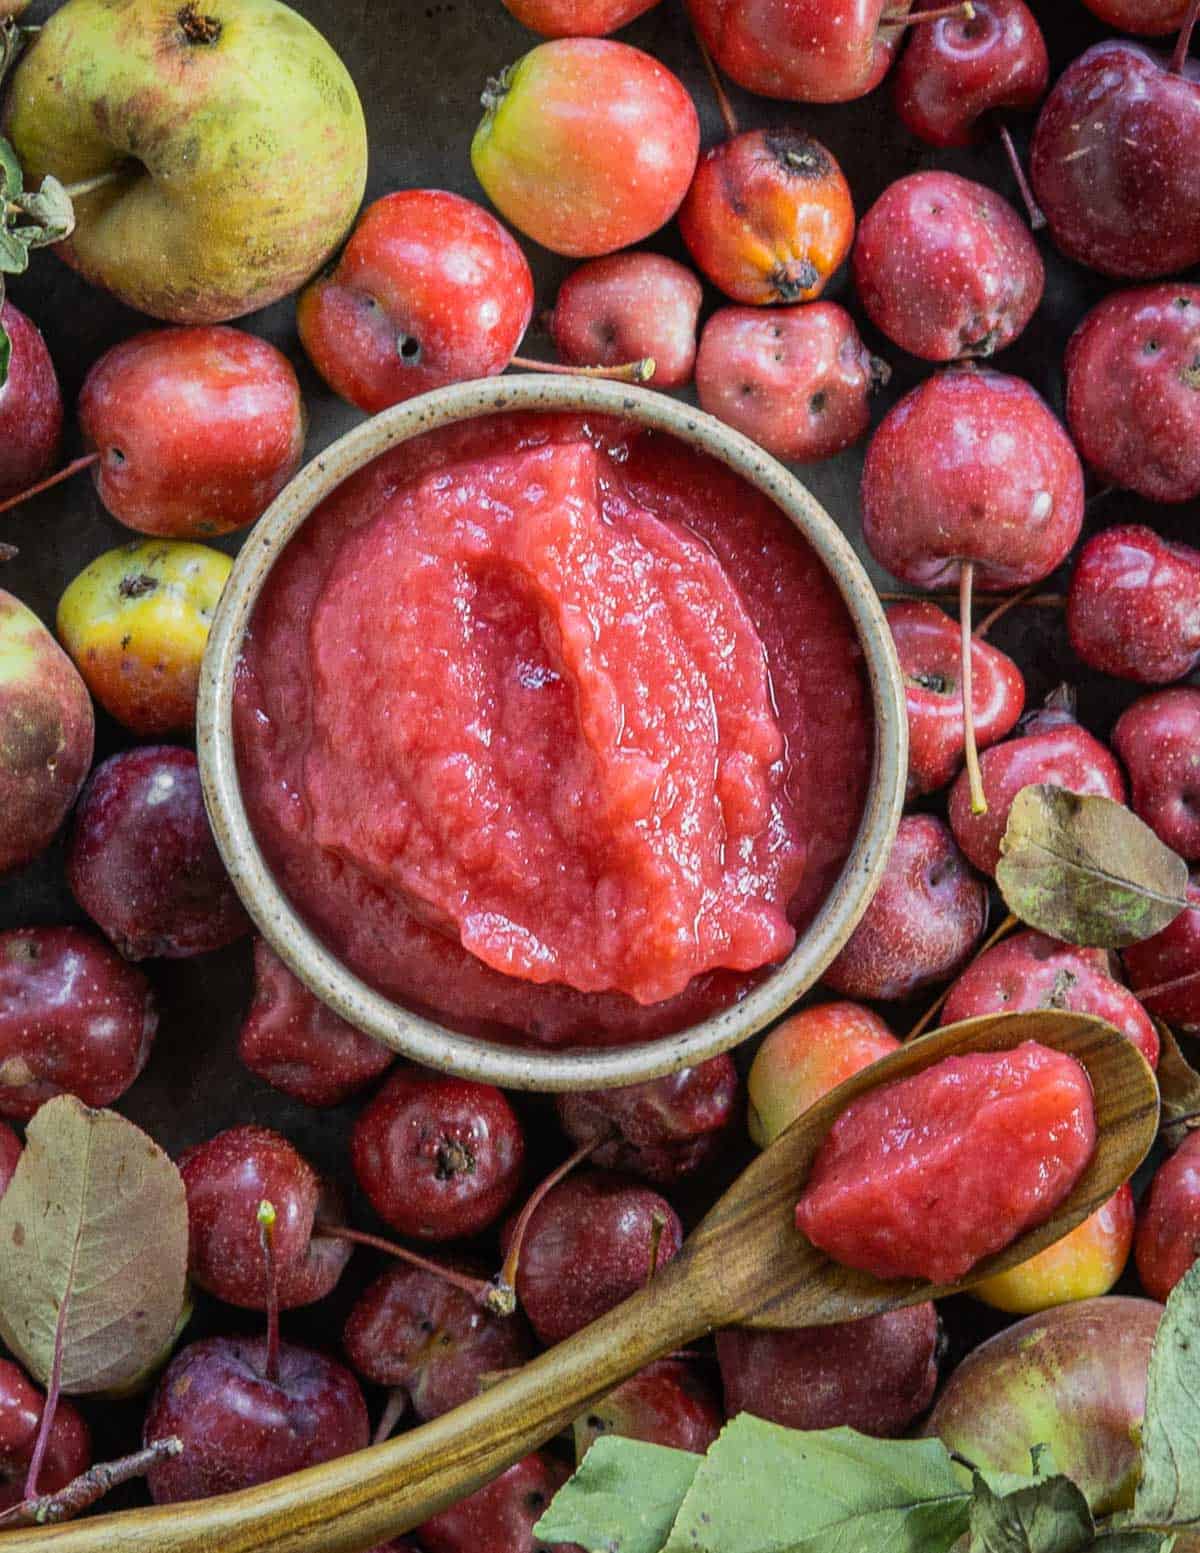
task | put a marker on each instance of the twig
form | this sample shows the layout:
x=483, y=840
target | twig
x=90, y=1486
x=935, y=1008
x=478, y=1288
x=51, y=480
x=628, y=371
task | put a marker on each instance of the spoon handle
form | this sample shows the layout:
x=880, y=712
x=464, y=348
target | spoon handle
x=356, y=1502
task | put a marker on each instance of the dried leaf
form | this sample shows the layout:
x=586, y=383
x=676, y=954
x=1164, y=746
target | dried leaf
x=12, y=180
x=94, y=1218
x=1169, y=1491
x=1042, y=1514
x=1179, y=1086
x=1087, y=870
x=49, y=214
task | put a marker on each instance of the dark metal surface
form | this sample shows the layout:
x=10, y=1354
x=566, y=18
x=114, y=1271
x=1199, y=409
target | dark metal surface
x=419, y=67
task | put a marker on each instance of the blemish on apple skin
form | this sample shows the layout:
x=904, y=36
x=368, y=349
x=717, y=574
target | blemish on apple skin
x=18, y=1235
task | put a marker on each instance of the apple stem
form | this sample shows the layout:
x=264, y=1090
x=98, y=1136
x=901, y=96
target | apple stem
x=75, y=191
x=1035, y=213
x=978, y=600
x=266, y=1236
x=658, y=1223
x=1184, y=41
x=964, y=9
x=979, y=803
x=505, y=1282
x=50, y=1408
x=628, y=372
x=393, y=1411
x=728, y=116
x=57, y=478
x=939, y=1003
x=479, y=1289
x=1167, y=986
x=90, y=1486
x=1185, y=1120
x=1002, y=609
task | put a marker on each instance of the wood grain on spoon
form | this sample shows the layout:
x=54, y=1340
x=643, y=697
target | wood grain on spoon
x=745, y=1264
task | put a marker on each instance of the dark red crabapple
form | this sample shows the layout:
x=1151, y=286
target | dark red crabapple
x=429, y=290
x=240, y=1427
x=876, y=1375
x=769, y=216
x=1158, y=738
x=500, y=1517
x=1168, y=1226
x=10, y=1155
x=438, y=1157
x=668, y=1403
x=577, y=18
x=31, y=408
x=798, y=380
x=1113, y=159
x=806, y=1056
x=198, y=430
x=588, y=1246
x=630, y=307
x=1170, y=957
x=1133, y=605
x=929, y=647
x=75, y=1019
x=958, y=69
x=1030, y=971
x=412, y=1331
x=1051, y=747
x=927, y=915
x=68, y=1451
x=1152, y=18
x=142, y=861
x=292, y=1041
x=947, y=268
x=1133, y=391
x=225, y=1180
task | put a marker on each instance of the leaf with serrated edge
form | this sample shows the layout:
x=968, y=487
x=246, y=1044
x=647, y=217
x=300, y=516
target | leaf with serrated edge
x=1087, y=870
x=1169, y=1491
x=1030, y=1515
x=623, y=1499
x=766, y=1489
x=95, y=1214
x=1178, y=1084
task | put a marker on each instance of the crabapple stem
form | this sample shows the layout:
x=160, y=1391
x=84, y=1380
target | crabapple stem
x=1013, y=602
x=1035, y=213
x=1185, y=1120
x=628, y=372
x=505, y=1282
x=974, y=776
x=1184, y=41
x=393, y=1411
x=728, y=117
x=51, y=480
x=478, y=1288
x=90, y=1486
x=978, y=600
x=914, y=18
x=1168, y=986
x=939, y=1003
x=75, y=191
x=266, y=1235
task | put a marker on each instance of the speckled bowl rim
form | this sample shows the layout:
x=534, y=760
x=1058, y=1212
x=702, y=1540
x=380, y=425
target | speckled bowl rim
x=424, y=1040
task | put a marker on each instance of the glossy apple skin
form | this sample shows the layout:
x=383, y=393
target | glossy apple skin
x=930, y=651
x=801, y=50
x=225, y=1180
x=1168, y=1229
x=1030, y=971
x=69, y=1448
x=414, y=1332
x=946, y=268
x=439, y=1157
x=31, y=408
x=75, y=1019
x=136, y=621
x=10, y=1155
x=297, y=1045
x=667, y=1403
x=198, y=430
x=577, y=18
x=1082, y=1265
x=1051, y=747
x=1073, y=1378
x=1113, y=162
x=1158, y=738
x=769, y=216
x=586, y=145
x=971, y=466
x=142, y=861
x=429, y=290
x=588, y=1247
x=956, y=70
x=1151, y=18
x=797, y=380
x=1171, y=956
x=1133, y=605
x=47, y=734
x=500, y=1517
x=876, y=1375
x=927, y=915
x=627, y=307
x=1133, y=391
x=238, y=1428
x=661, y=1130
x=805, y=1057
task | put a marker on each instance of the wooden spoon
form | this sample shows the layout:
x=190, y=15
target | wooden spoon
x=745, y=1265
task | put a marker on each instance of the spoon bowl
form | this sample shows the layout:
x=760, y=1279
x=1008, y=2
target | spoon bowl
x=745, y=1265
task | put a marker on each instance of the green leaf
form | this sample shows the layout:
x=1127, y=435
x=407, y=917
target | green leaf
x=623, y=1499
x=1178, y=1084
x=1087, y=870
x=12, y=180
x=49, y=212
x=1029, y=1515
x=14, y=253
x=1169, y=1491
x=1134, y=1542
x=766, y=1489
